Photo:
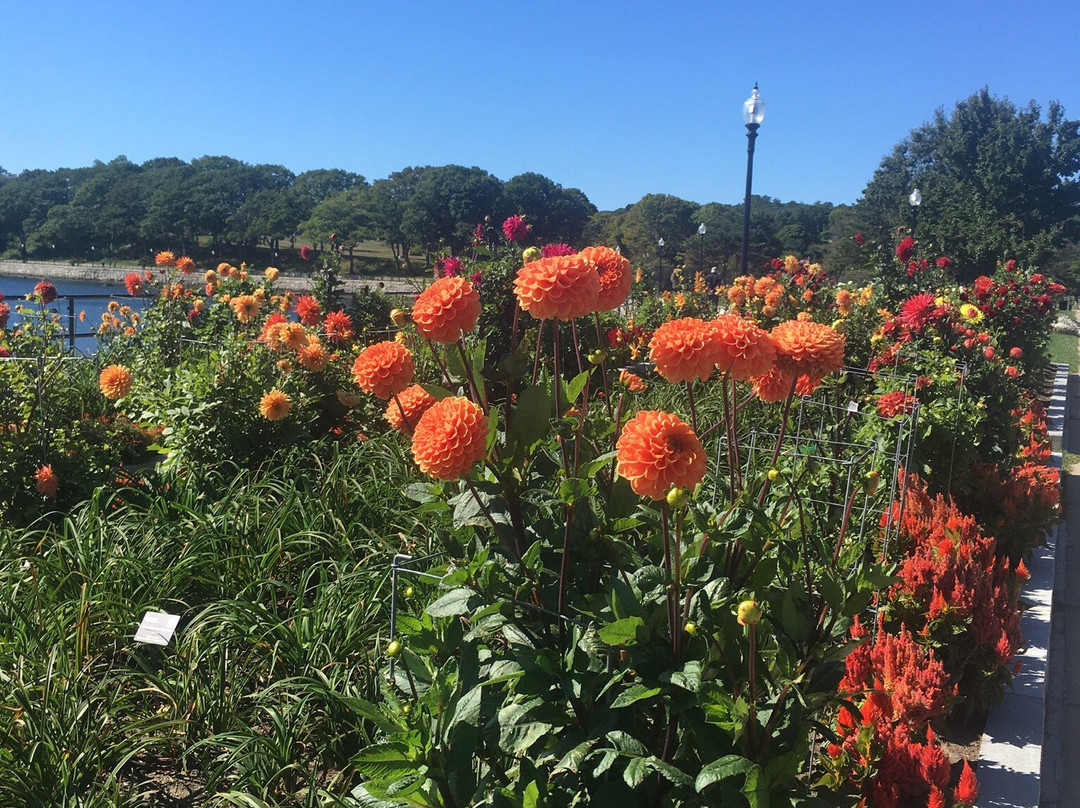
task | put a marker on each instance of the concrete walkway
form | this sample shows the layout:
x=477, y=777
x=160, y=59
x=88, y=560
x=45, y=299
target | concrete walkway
x=1060, y=775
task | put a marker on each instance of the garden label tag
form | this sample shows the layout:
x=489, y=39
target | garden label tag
x=853, y=406
x=157, y=628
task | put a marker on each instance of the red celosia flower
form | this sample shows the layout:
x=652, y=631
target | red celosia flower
x=404, y=410
x=559, y=288
x=450, y=438
x=774, y=386
x=917, y=311
x=967, y=790
x=905, y=248
x=308, y=310
x=552, y=250
x=133, y=282
x=446, y=309
x=658, y=451
x=745, y=350
x=684, y=350
x=804, y=347
x=46, y=481
x=890, y=405
x=944, y=262
x=515, y=229
x=115, y=382
x=616, y=279
x=338, y=326
x=384, y=368
x=45, y=292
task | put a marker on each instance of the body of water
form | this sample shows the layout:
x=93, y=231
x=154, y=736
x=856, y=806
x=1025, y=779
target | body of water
x=75, y=297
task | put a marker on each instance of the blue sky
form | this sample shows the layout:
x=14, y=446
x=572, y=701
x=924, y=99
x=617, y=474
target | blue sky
x=618, y=99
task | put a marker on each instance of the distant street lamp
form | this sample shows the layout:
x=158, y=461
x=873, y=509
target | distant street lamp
x=701, y=232
x=753, y=115
x=660, y=267
x=914, y=200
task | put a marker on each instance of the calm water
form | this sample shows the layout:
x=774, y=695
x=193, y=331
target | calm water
x=16, y=289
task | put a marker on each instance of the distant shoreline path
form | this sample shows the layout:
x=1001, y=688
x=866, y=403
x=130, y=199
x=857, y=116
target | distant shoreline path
x=114, y=276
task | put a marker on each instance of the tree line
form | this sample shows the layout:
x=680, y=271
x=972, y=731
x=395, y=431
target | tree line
x=997, y=182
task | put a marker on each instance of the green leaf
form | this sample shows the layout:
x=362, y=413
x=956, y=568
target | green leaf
x=573, y=759
x=422, y=492
x=624, y=631
x=831, y=589
x=384, y=762
x=577, y=384
x=532, y=415
x=572, y=489
x=439, y=393
x=636, y=692
x=453, y=603
x=725, y=767
x=756, y=788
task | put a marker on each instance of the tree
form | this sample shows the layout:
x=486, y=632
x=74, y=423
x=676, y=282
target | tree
x=997, y=182
x=447, y=204
x=556, y=214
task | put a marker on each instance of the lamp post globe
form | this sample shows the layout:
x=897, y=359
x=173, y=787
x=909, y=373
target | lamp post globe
x=753, y=115
x=701, y=257
x=660, y=266
x=914, y=200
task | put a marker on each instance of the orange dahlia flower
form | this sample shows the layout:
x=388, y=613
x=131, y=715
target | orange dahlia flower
x=806, y=386
x=658, y=451
x=246, y=307
x=415, y=401
x=275, y=405
x=115, y=382
x=561, y=287
x=685, y=349
x=272, y=331
x=806, y=347
x=185, y=264
x=46, y=481
x=338, y=326
x=447, y=309
x=450, y=438
x=308, y=310
x=616, y=279
x=745, y=349
x=633, y=382
x=773, y=386
x=165, y=259
x=312, y=356
x=271, y=273
x=294, y=335
x=384, y=368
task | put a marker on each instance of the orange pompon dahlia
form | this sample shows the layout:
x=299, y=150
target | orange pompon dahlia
x=450, y=438
x=312, y=356
x=46, y=482
x=415, y=401
x=616, y=279
x=658, y=451
x=561, y=287
x=447, y=309
x=806, y=347
x=275, y=405
x=308, y=310
x=246, y=307
x=165, y=259
x=384, y=368
x=684, y=349
x=115, y=382
x=773, y=386
x=338, y=326
x=745, y=349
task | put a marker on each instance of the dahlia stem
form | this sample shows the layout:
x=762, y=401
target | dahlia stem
x=404, y=417
x=536, y=359
x=445, y=374
x=577, y=346
x=564, y=573
x=487, y=514
x=677, y=594
x=727, y=442
x=693, y=409
x=603, y=363
x=477, y=394
x=558, y=397
x=779, y=438
x=735, y=436
x=753, y=687
x=672, y=608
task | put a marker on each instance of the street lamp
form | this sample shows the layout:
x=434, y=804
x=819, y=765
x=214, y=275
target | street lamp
x=660, y=266
x=914, y=200
x=753, y=115
x=701, y=232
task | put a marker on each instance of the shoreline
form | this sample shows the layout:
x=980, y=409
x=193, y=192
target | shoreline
x=114, y=276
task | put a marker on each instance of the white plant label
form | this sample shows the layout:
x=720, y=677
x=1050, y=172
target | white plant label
x=853, y=406
x=157, y=628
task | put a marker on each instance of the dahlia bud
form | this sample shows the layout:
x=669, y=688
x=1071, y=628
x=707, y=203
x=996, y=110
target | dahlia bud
x=531, y=254
x=677, y=497
x=749, y=613
x=397, y=317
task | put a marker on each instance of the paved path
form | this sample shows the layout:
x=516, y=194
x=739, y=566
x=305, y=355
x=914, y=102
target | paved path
x=1060, y=777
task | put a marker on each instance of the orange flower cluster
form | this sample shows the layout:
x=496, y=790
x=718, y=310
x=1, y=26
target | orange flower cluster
x=115, y=382
x=246, y=307
x=562, y=287
x=616, y=280
x=403, y=412
x=446, y=309
x=308, y=310
x=745, y=350
x=384, y=369
x=450, y=438
x=313, y=356
x=275, y=405
x=185, y=264
x=46, y=482
x=658, y=451
x=807, y=348
x=686, y=349
x=165, y=259
x=338, y=327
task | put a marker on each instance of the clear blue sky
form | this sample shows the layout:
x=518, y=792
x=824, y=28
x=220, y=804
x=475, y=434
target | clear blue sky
x=618, y=99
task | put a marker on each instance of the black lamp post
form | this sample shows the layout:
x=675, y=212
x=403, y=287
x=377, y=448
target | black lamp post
x=701, y=232
x=753, y=115
x=660, y=267
x=914, y=200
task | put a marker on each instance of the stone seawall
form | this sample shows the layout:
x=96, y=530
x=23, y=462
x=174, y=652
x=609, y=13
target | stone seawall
x=114, y=276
